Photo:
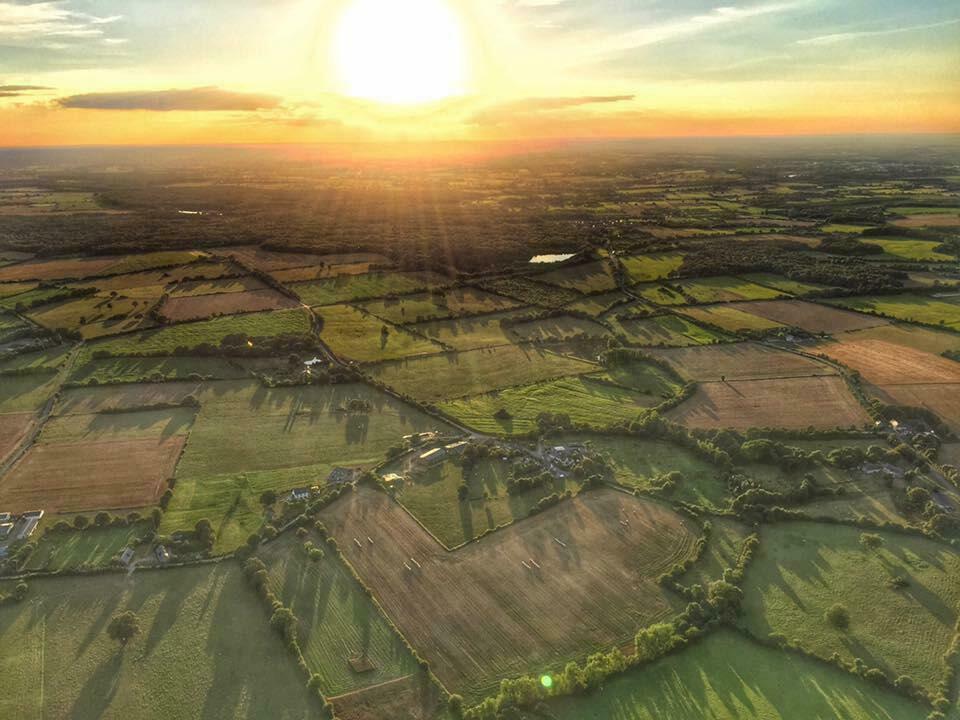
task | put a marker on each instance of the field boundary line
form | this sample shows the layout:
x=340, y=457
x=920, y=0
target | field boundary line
x=376, y=686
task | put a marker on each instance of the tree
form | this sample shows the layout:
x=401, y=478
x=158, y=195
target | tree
x=204, y=532
x=269, y=497
x=80, y=522
x=124, y=627
x=871, y=541
x=838, y=616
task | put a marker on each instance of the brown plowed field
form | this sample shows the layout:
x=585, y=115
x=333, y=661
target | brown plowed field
x=885, y=363
x=197, y=307
x=739, y=361
x=413, y=697
x=477, y=614
x=75, y=477
x=13, y=426
x=810, y=316
x=793, y=403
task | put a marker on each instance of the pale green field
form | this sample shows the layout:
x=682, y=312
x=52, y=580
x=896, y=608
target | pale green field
x=358, y=336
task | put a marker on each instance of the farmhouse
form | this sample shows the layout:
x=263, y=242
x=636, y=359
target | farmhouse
x=126, y=556
x=28, y=524
x=298, y=495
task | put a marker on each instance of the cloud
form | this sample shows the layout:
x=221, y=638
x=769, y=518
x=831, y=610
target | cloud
x=26, y=24
x=505, y=112
x=834, y=38
x=696, y=24
x=10, y=91
x=199, y=99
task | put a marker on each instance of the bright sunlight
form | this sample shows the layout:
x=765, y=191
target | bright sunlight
x=400, y=52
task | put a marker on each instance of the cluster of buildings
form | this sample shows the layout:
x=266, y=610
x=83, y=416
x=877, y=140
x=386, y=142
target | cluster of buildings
x=17, y=528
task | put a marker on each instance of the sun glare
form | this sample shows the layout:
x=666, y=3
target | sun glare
x=400, y=52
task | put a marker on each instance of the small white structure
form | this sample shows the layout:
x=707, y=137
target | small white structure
x=126, y=557
x=299, y=495
x=163, y=555
x=457, y=446
x=432, y=456
x=391, y=478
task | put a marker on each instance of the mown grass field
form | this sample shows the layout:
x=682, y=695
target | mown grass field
x=637, y=462
x=122, y=370
x=599, y=304
x=26, y=393
x=15, y=288
x=431, y=495
x=727, y=676
x=585, y=400
x=453, y=375
x=643, y=268
x=422, y=307
x=558, y=328
x=337, y=620
x=784, y=285
x=358, y=336
x=189, y=660
x=666, y=331
x=91, y=548
x=96, y=315
x=591, y=277
x=530, y=292
x=811, y=317
x=801, y=569
x=730, y=319
x=470, y=333
x=912, y=308
x=302, y=434
x=345, y=288
x=912, y=250
x=188, y=336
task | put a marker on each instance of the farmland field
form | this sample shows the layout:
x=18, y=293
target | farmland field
x=270, y=260
x=153, y=369
x=739, y=361
x=454, y=375
x=470, y=333
x=592, y=277
x=56, y=659
x=725, y=289
x=785, y=285
x=667, y=331
x=95, y=266
x=96, y=315
x=803, y=568
x=92, y=548
x=885, y=363
x=923, y=339
x=729, y=319
x=912, y=308
x=810, y=317
x=728, y=676
x=358, y=336
x=912, y=250
x=558, y=328
x=794, y=403
x=586, y=401
x=362, y=287
x=13, y=428
x=196, y=307
x=25, y=393
x=337, y=620
x=83, y=476
x=939, y=398
x=530, y=292
x=602, y=573
x=431, y=306
x=643, y=268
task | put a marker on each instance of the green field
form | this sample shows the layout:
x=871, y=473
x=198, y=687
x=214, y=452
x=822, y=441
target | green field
x=26, y=393
x=643, y=268
x=913, y=250
x=471, y=333
x=727, y=677
x=912, y=308
x=530, y=292
x=352, y=334
x=302, y=434
x=638, y=461
x=599, y=304
x=785, y=285
x=95, y=315
x=729, y=319
x=586, y=401
x=801, y=569
x=112, y=370
x=422, y=307
x=666, y=331
x=9, y=289
x=453, y=375
x=431, y=495
x=724, y=545
x=724, y=289
x=337, y=619
x=34, y=298
x=558, y=328
x=148, y=261
x=189, y=660
x=361, y=287
x=132, y=425
x=592, y=277
x=41, y=361
x=92, y=548
x=182, y=338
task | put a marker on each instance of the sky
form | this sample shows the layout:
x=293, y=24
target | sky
x=75, y=72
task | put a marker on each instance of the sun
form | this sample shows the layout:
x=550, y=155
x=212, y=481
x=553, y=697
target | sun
x=400, y=52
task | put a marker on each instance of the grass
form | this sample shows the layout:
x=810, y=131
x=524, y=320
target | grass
x=301, y=434
x=531, y=292
x=34, y=298
x=730, y=319
x=25, y=393
x=186, y=337
x=784, y=285
x=801, y=569
x=912, y=250
x=91, y=548
x=188, y=661
x=470, y=333
x=132, y=425
x=431, y=495
x=422, y=307
x=724, y=544
x=599, y=304
x=912, y=308
x=558, y=328
x=358, y=336
x=40, y=361
x=638, y=461
x=726, y=676
x=643, y=268
x=15, y=288
x=586, y=401
x=95, y=315
x=338, y=621
x=724, y=289
x=113, y=370
x=843, y=228
x=453, y=375
x=591, y=277
x=667, y=331
x=361, y=287
x=148, y=261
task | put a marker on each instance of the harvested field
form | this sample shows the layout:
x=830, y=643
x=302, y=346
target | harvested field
x=729, y=319
x=15, y=288
x=13, y=428
x=739, y=361
x=453, y=375
x=926, y=340
x=885, y=363
x=56, y=269
x=929, y=220
x=183, y=309
x=478, y=614
x=75, y=477
x=810, y=317
x=794, y=403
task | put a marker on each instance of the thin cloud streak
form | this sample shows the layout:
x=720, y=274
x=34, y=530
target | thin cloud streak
x=846, y=36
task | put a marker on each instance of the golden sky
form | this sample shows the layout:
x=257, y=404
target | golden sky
x=277, y=71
